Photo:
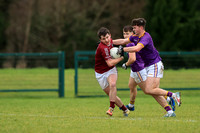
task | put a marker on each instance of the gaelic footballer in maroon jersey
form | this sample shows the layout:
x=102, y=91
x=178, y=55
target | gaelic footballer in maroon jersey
x=102, y=55
x=106, y=72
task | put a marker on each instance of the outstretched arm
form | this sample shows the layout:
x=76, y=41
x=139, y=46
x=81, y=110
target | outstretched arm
x=121, y=41
x=136, y=48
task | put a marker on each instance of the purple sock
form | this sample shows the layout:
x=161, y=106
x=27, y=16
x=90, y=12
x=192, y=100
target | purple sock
x=169, y=94
x=167, y=108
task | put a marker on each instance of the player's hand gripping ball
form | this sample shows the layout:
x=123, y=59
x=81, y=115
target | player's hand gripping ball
x=120, y=50
x=114, y=53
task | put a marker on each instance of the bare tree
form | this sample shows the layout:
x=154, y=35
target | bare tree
x=18, y=31
x=69, y=25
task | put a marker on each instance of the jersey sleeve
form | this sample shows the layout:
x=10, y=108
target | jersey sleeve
x=144, y=41
x=130, y=45
x=133, y=38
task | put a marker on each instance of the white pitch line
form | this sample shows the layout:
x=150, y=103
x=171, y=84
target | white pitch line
x=112, y=118
x=32, y=115
x=139, y=118
x=124, y=118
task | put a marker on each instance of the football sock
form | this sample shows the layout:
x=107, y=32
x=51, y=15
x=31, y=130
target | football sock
x=123, y=108
x=167, y=108
x=112, y=104
x=131, y=105
x=173, y=94
x=168, y=99
x=132, y=102
x=170, y=111
x=169, y=94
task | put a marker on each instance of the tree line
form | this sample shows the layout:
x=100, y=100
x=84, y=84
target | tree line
x=41, y=26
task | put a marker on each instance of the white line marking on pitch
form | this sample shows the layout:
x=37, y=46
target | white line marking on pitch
x=32, y=115
x=139, y=118
x=112, y=118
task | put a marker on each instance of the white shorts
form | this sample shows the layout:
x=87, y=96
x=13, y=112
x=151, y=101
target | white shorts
x=155, y=70
x=139, y=76
x=103, y=78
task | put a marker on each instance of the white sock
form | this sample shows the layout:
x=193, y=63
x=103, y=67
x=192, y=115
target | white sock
x=170, y=111
x=173, y=94
x=131, y=105
x=168, y=99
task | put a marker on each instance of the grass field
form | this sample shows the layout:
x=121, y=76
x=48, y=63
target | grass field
x=33, y=112
x=172, y=79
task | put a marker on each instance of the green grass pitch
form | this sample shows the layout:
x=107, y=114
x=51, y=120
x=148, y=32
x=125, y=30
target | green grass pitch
x=42, y=112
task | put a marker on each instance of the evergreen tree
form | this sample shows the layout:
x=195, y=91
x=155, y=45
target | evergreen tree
x=174, y=24
x=3, y=22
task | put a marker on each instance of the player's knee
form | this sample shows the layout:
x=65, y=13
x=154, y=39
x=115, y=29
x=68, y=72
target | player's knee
x=133, y=90
x=112, y=84
x=147, y=91
x=130, y=85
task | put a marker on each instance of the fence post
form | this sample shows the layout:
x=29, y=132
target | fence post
x=61, y=65
x=76, y=73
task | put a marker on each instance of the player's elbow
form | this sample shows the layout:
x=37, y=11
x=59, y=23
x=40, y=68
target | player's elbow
x=131, y=59
x=138, y=47
x=110, y=64
x=137, y=50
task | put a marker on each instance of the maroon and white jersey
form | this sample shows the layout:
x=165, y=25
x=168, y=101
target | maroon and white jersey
x=102, y=54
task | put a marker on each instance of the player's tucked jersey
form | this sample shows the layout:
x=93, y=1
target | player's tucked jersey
x=149, y=53
x=139, y=63
x=102, y=54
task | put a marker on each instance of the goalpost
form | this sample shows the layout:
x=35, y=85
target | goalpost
x=37, y=70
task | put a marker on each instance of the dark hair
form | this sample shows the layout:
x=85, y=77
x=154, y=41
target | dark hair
x=128, y=28
x=139, y=22
x=102, y=32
